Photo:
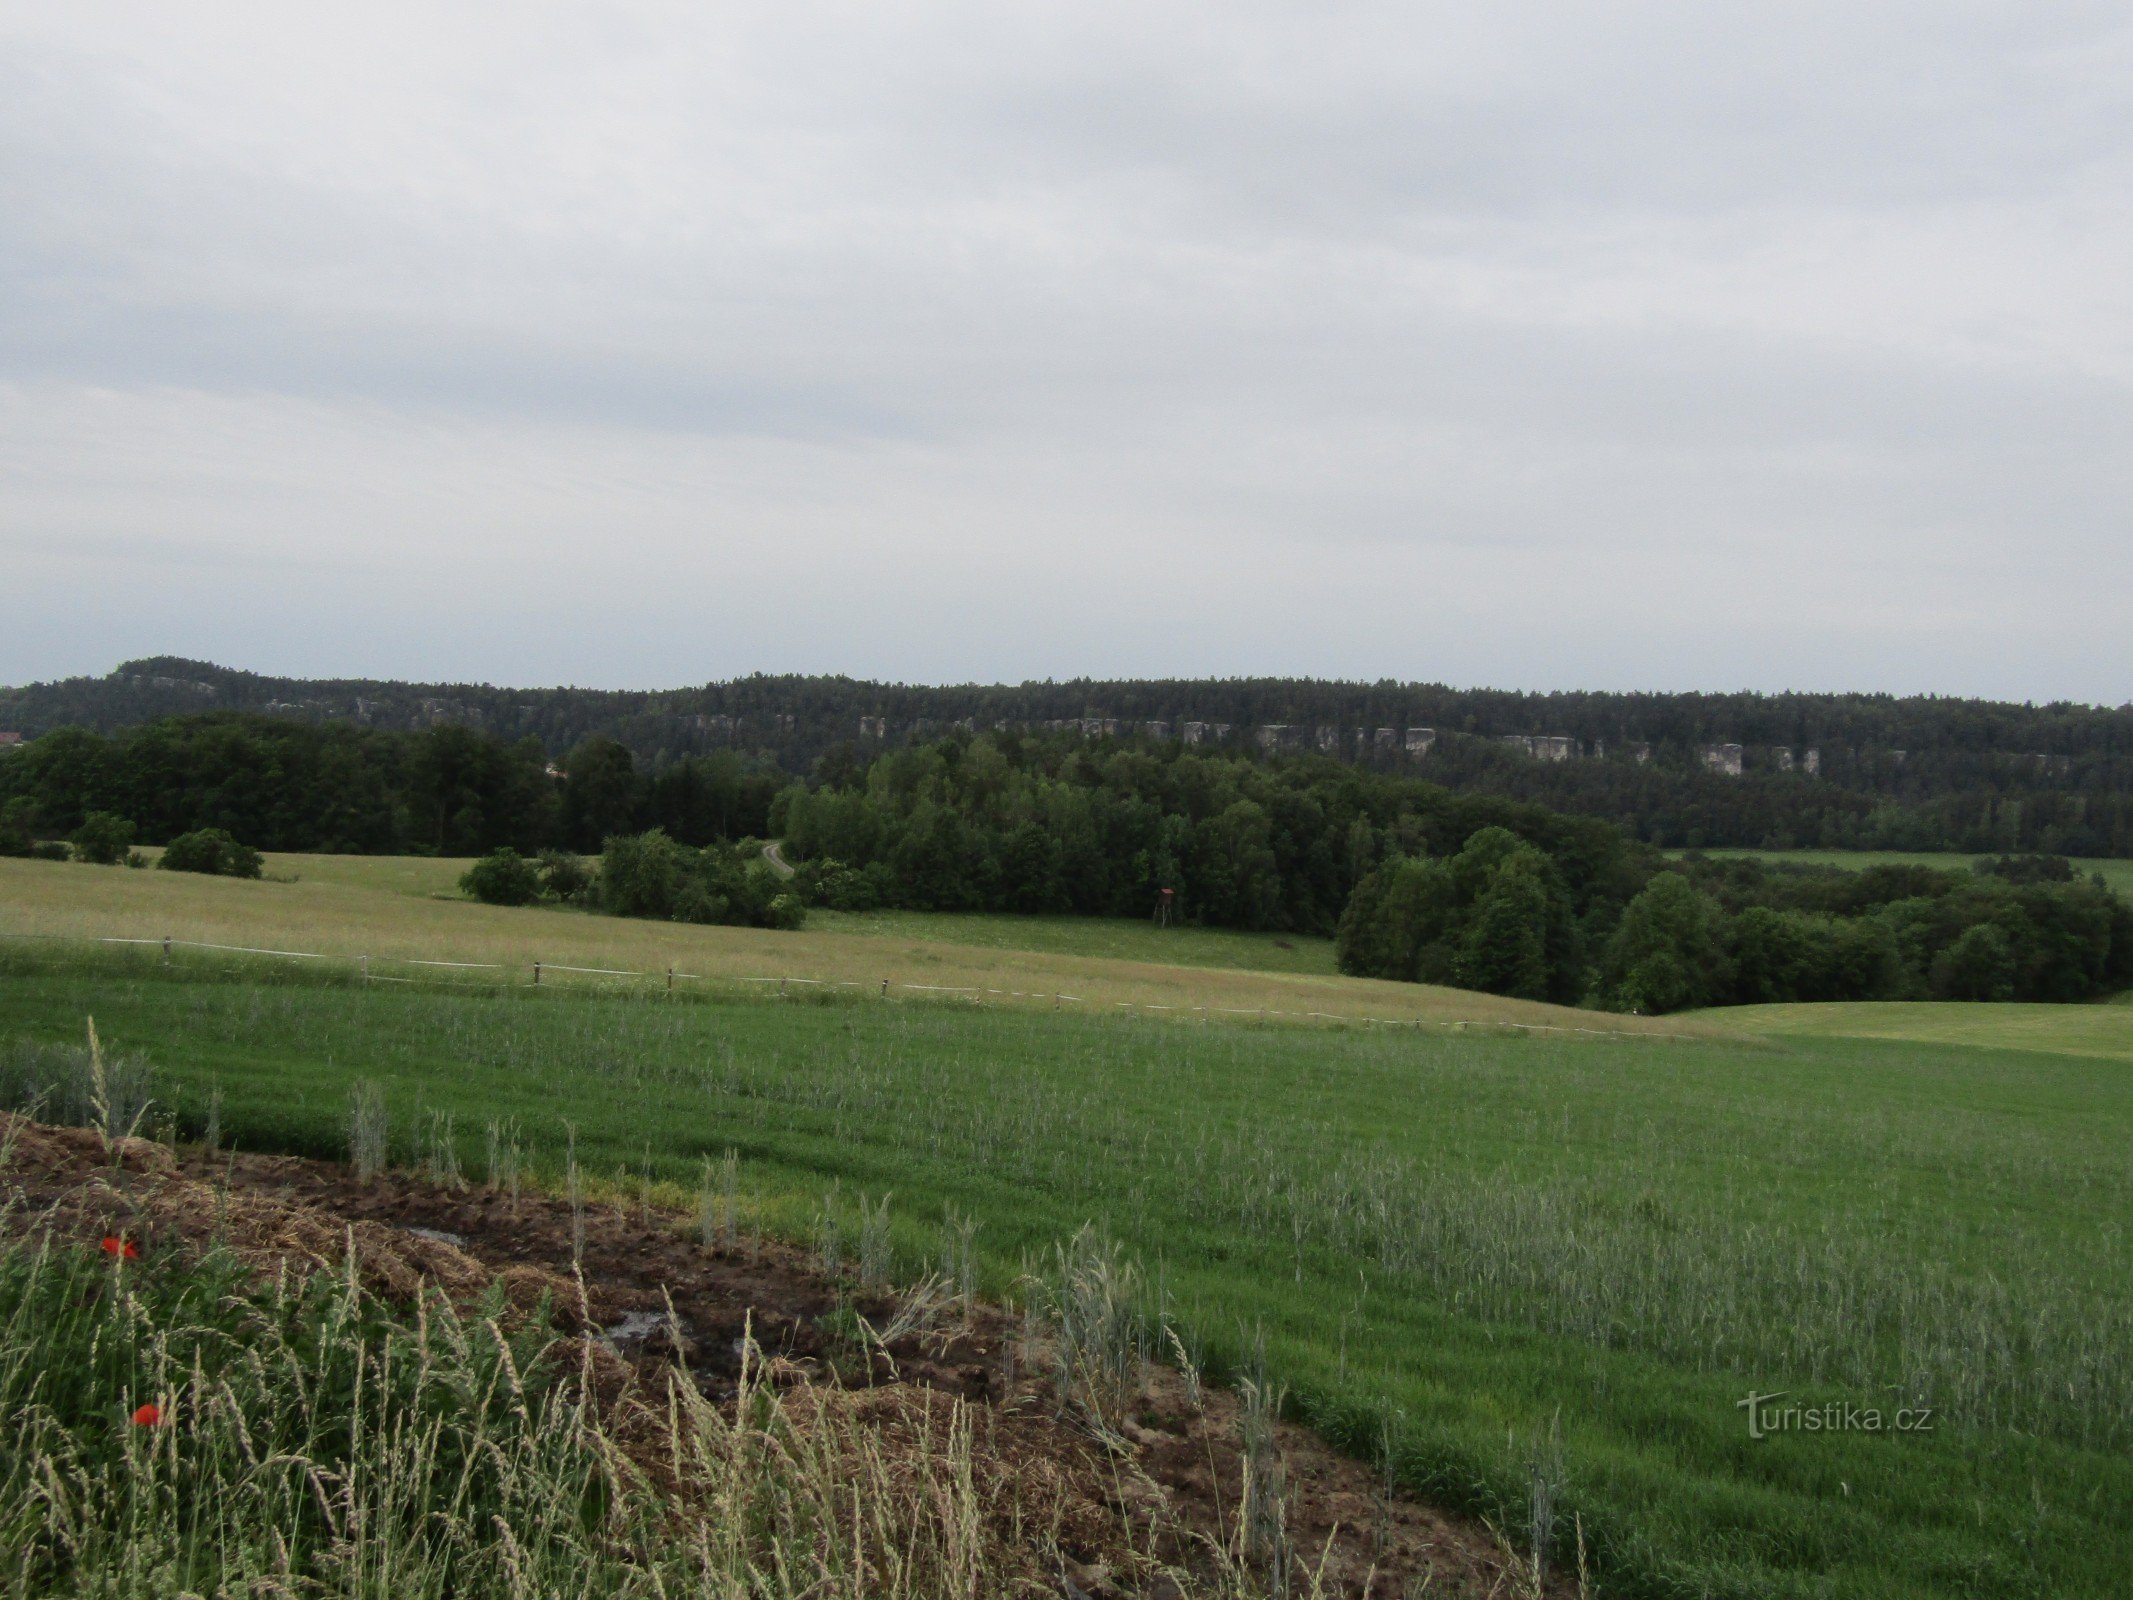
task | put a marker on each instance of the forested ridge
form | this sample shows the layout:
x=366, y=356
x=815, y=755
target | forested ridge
x=1922, y=773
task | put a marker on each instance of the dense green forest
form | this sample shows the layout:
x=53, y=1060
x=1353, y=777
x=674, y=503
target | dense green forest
x=1917, y=773
x=277, y=784
x=1495, y=915
x=1007, y=822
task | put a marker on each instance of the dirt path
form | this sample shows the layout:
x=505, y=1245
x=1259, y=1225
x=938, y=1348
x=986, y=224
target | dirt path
x=776, y=858
x=653, y=1294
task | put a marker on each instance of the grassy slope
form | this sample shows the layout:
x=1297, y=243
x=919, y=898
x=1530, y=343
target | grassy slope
x=1111, y=938
x=1471, y=1233
x=425, y=876
x=2117, y=872
x=2099, y=1030
x=349, y=906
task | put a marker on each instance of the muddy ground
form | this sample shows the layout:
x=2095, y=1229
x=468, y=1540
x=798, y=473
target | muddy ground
x=1165, y=1478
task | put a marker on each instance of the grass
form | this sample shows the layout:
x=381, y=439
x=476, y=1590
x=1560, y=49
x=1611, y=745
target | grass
x=2117, y=871
x=1111, y=938
x=308, y=1439
x=1470, y=1243
x=388, y=909
x=2104, y=1031
x=1107, y=937
x=427, y=877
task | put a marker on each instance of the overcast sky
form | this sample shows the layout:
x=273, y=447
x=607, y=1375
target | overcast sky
x=1593, y=345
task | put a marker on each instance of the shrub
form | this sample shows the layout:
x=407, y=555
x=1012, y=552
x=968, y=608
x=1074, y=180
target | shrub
x=212, y=851
x=565, y=877
x=650, y=875
x=503, y=878
x=830, y=883
x=642, y=875
x=103, y=839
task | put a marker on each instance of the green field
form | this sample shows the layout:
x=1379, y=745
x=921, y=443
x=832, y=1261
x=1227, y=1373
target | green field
x=435, y=878
x=1459, y=1238
x=1106, y=937
x=2117, y=872
x=429, y=877
x=2093, y=1030
x=396, y=911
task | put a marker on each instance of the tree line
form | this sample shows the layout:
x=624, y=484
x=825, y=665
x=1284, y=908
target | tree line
x=1703, y=932
x=454, y=791
x=1416, y=881
x=1919, y=772
x=1045, y=823
x=1969, y=801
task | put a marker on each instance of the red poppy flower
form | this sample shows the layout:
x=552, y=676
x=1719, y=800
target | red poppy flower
x=148, y=1416
x=126, y=1249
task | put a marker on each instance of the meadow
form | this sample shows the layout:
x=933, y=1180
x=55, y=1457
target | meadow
x=1451, y=1246
x=2104, y=1030
x=436, y=878
x=402, y=910
x=1109, y=937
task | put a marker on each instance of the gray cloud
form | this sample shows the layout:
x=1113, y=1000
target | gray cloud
x=1555, y=346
